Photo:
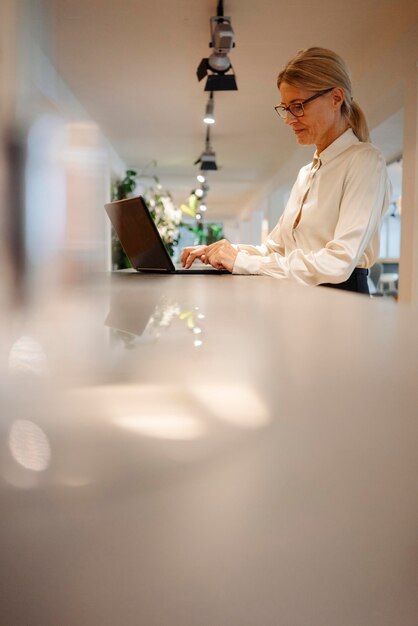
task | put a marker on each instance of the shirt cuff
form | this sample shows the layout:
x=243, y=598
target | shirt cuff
x=247, y=264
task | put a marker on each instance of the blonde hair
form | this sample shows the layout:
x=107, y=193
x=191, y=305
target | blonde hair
x=318, y=68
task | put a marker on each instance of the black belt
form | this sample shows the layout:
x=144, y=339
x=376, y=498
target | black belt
x=353, y=283
x=360, y=270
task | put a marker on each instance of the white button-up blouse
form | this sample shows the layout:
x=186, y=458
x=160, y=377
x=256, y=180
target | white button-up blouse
x=332, y=220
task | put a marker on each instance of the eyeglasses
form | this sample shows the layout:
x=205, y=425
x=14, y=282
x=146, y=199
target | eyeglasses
x=297, y=109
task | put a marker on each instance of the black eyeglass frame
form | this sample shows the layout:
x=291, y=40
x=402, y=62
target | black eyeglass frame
x=281, y=110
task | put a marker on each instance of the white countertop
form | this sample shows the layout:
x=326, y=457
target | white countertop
x=218, y=450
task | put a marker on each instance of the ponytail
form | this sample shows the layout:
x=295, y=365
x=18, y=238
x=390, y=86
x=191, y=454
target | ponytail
x=357, y=120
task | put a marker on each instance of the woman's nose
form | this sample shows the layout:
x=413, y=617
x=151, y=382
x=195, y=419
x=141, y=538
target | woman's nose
x=290, y=118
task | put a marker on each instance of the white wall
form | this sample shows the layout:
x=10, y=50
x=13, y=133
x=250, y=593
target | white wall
x=408, y=274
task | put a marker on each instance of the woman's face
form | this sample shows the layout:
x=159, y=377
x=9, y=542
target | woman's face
x=321, y=123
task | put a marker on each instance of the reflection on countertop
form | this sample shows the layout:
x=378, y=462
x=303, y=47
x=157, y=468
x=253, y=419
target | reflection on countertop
x=149, y=323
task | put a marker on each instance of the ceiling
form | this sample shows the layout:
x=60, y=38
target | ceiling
x=132, y=65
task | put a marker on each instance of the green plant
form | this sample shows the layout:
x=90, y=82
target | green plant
x=215, y=232
x=206, y=233
x=121, y=189
x=199, y=232
x=166, y=216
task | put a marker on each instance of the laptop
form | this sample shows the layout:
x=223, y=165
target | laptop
x=141, y=240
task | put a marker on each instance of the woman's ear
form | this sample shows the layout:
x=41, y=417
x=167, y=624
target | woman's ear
x=338, y=97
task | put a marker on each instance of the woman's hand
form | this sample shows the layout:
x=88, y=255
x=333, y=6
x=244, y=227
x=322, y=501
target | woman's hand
x=190, y=254
x=221, y=255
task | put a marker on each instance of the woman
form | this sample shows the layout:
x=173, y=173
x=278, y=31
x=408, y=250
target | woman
x=329, y=231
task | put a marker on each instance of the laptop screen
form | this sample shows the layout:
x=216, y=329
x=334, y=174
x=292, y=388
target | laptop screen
x=138, y=234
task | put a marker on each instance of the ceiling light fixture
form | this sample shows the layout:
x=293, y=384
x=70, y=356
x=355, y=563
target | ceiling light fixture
x=209, y=112
x=207, y=159
x=217, y=66
x=200, y=178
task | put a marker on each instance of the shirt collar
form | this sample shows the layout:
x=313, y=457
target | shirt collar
x=338, y=146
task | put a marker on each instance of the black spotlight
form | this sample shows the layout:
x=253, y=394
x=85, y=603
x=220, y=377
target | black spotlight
x=218, y=67
x=207, y=159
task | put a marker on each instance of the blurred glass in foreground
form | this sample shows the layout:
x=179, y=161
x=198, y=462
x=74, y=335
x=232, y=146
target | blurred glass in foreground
x=55, y=168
